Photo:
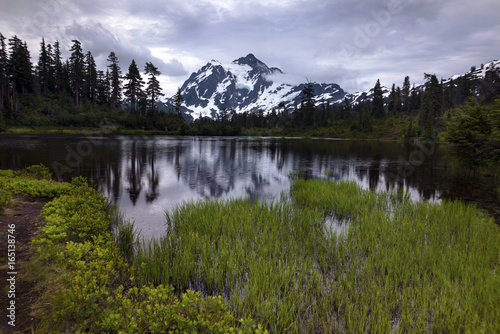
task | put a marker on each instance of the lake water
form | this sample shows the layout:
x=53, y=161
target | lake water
x=146, y=175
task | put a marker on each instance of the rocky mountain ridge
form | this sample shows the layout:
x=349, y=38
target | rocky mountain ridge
x=249, y=85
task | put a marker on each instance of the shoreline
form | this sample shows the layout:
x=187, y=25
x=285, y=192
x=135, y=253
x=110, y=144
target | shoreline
x=24, y=214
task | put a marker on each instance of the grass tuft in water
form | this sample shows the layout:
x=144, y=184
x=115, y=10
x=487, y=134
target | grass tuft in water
x=124, y=235
x=398, y=265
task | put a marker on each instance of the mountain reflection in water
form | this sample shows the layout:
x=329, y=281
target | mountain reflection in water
x=145, y=176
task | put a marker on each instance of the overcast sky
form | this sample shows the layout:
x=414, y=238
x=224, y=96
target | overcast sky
x=352, y=43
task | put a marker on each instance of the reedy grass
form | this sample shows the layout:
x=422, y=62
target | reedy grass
x=124, y=234
x=399, y=265
x=83, y=282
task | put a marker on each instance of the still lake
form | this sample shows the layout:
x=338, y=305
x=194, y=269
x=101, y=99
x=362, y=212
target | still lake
x=146, y=175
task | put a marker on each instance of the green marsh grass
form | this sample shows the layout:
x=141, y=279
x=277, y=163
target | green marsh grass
x=124, y=234
x=398, y=265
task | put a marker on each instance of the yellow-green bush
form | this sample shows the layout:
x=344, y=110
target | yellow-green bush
x=5, y=198
x=99, y=295
x=89, y=285
x=76, y=216
x=33, y=181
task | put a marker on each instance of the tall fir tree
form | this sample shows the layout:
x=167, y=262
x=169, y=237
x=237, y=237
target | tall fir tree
x=405, y=96
x=397, y=101
x=90, y=77
x=490, y=86
x=178, y=101
x=58, y=68
x=346, y=109
x=432, y=104
x=4, y=83
x=20, y=70
x=50, y=58
x=77, y=70
x=378, y=101
x=103, y=88
x=391, y=105
x=153, y=89
x=133, y=88
x=308, y=104
x=115, y=73
x=44, y=64
x=464, y=88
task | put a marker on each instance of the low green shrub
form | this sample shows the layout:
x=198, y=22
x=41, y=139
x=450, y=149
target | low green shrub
x=88, y=283
x=100, y=295
x=5, y=198
x=34, y=181
x=76, y=216
x=39, y=172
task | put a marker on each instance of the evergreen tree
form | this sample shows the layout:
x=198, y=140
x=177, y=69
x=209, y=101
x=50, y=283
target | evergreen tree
x=115, y=73
x=470, y=134
x=308, y=96
x=103, y=89
x=153, y=89
x=391, y=106
x=4, y=83
x=273, y=119
x=77, y=70
x=405, y=96
x=432, y=104
x=378, y=101
x=90, y=77
x=178, y=100
x=490, y=86
x=58, y=68
x=307, y=105
x=133, y=88
x=66, y=77
x=20, y=67
x=448, y=95
x=260, y=119
x=464, y=88
x=415, y=100
x=410, y=133
x=50, y=58
x=44, y=64
x=397, y=101
x=346, y=109
x=20, y=70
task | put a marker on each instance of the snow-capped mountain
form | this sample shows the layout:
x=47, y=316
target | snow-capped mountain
x=479, y=73
x=247, y=84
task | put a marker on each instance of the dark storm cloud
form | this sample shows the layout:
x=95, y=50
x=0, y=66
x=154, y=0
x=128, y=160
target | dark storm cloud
x=101, y=41
x=350, y=43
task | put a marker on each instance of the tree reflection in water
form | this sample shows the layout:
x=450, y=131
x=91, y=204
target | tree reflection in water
x=146, y=175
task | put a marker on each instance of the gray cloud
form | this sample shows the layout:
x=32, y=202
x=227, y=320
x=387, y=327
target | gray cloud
x=350, y=43
x=101, y=41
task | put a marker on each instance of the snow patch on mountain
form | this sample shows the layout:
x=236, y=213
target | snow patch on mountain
x=249, y=85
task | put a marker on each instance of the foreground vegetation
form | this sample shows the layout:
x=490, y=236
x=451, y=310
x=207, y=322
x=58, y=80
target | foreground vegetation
x=86, y=284
x=398, y=266
x=395, y=266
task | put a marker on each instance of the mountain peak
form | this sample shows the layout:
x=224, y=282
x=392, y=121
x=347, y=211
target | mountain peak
x=245, y=85
x=249, y=60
